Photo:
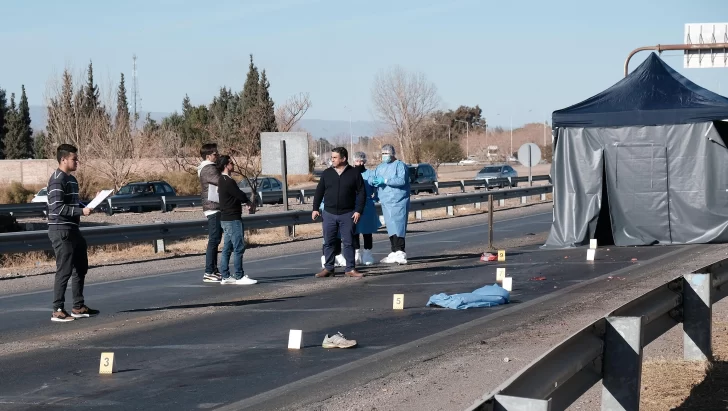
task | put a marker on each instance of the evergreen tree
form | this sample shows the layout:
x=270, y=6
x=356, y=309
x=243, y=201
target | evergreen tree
x=91, y=100
x=39, y=144
x=122, y=106
x=14, y=147
x=3, y=121
x=266, y=106
x=26, y=132
x=250, y=89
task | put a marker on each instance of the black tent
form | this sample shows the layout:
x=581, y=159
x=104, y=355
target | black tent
x=642, y=162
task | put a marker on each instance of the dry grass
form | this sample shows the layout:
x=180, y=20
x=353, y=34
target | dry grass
x=678, y=385
x=16, y=193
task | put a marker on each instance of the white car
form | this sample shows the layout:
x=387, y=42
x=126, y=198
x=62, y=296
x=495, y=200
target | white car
x=41, y=196
x=468, y=162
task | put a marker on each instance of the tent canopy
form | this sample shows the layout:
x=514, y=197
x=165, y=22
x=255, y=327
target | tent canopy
x=653, y=94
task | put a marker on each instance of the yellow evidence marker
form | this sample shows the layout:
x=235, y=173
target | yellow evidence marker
x=501, y=255
x=500, y=274
x=107, y=365
x=398, y=302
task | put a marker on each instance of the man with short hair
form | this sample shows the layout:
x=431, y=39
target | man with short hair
x=231, y=210
x=341, y=188
x=209, y=176
x=69, y=246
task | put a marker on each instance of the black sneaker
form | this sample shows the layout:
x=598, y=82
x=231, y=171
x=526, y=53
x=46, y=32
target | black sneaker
x=212, y=278
x=83, y=312
x=61, y=316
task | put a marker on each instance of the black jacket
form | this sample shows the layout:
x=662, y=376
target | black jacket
x=341, y=193
x=231, y=199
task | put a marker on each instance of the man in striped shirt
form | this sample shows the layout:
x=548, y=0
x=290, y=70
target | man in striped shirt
x=69, y=246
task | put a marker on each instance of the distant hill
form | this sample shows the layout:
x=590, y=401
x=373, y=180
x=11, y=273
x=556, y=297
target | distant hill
x=327, y=129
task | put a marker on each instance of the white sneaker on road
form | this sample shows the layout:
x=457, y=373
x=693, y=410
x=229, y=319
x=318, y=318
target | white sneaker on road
x=246, y=281
x=337, y=341
x=227, y=281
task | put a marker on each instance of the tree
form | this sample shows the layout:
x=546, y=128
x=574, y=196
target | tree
x=3, y=113
x=249, y=101
x=290, y=113
x=18, y=141
x=437, y=151
x=266, y=106
x=40, y=149
x=404, y=101
x=122, y=106
x=91, y=93
x=69, y=117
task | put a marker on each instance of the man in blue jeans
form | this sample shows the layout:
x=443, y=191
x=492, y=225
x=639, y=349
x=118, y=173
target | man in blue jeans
x=342, y=190
x=231, y=210
x=209, y=176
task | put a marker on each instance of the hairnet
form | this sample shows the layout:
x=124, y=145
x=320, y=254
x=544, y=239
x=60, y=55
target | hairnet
x=388, y=148
x=360, y=155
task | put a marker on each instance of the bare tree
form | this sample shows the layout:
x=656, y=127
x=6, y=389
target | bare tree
x=68, y=120
x=404, y=100
x=292, y=111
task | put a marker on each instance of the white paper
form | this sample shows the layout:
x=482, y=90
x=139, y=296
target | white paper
x=100, y=197
x=590, y=254
x=212, y=194
x=508, y=284
x=294, y=339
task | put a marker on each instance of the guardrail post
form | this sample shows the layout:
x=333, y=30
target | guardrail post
x=502, y=202
x=302, y=198
x=697, y=317
x=524, y=200
x=109, y=211
x=418, y=215
x=164, y=204
x=462, y=185
x=622, y=365
x=508, y=403
x=450, y=210
x=491, y=210
x=477, y=205
x=543, y=197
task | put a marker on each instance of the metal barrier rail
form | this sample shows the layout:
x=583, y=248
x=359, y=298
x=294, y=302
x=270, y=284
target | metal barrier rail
x=25, y=241
x=165, y=203
x=610, y=349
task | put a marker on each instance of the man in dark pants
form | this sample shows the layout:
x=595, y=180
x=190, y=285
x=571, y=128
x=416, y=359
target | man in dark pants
x=209, y=176
x=69, y=246
x=341, y=188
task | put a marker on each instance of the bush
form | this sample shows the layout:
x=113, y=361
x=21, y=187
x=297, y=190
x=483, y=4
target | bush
x=15, y=193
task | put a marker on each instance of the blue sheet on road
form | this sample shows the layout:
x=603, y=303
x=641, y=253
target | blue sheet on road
x=488, y=296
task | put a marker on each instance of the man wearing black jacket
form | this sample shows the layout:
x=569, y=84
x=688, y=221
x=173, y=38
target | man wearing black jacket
x=231, y=210
x=341, y=188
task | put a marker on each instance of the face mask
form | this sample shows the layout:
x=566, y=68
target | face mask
x=386, y=158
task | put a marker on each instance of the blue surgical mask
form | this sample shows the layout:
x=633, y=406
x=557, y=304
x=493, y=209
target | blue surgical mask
x=386, y=158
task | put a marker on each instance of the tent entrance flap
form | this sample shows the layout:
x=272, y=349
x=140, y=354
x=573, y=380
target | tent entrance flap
x=637, y=185
x=603, y=232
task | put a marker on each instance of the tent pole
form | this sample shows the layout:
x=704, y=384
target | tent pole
x=662, y=47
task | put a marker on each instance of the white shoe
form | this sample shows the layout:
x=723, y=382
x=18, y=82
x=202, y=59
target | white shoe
x=357, y=257
x=323, y=262
x=339, y=261
x=400, y=257
x=246, y=281
x=229, y=280
x=366, y=257
x=390, y=259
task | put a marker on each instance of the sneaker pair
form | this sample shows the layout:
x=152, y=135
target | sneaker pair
x=339, y=261
x=60, y=315
x=337, y=341
x=399, y=257
x=242, y=281
x=211, y=278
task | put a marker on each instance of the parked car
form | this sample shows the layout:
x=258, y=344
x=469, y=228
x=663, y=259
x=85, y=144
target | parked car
x=263, y=184
x=142, y=189
x=422, y=173
x=41, y=196
x=497, y=171
x=467, y=162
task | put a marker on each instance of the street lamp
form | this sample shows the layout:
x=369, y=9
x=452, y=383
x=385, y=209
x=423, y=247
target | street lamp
x=467, y=137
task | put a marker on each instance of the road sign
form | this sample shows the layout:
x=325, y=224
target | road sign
x=706, y=33
x=529, y=159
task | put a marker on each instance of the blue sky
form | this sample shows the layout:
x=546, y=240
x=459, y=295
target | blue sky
x=522, y=58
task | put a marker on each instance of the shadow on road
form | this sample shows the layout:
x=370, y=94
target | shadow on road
x=238, y=303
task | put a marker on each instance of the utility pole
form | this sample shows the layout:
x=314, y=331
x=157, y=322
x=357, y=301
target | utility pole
x=467, y=137
x=134, y=89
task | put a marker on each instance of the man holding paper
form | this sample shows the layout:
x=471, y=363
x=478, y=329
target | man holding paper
x=209, y=176
x=69, y=246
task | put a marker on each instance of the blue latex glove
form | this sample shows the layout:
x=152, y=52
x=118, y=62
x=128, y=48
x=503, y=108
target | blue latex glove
x=378, y=181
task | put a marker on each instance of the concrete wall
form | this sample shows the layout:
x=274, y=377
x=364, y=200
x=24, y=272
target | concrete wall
x=296, y=153
x=27, y=172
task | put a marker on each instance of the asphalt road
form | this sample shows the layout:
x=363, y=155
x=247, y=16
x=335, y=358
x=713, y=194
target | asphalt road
x=233, y=353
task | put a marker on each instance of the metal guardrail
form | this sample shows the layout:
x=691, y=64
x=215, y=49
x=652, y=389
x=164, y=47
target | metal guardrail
x=610, y=348
x=38, y=240
x=165, y=203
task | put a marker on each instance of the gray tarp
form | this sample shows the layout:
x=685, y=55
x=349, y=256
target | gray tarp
x=666, y=184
